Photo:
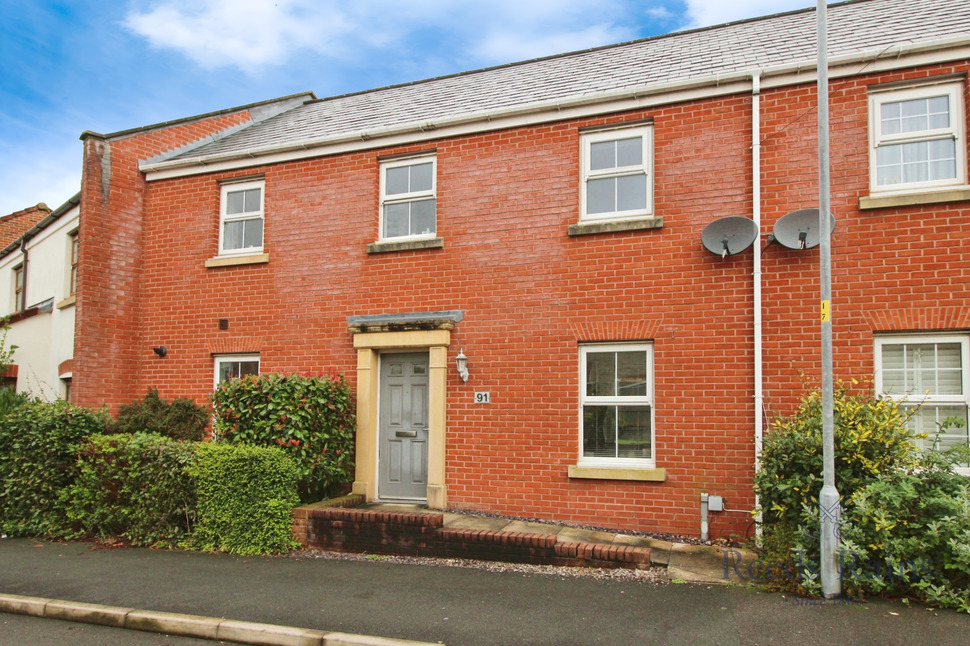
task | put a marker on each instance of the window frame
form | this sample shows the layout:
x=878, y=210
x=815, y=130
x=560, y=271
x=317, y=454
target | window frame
x=74, y=255
x=234, y=187
x=587, y=139
x=921, y=398
x=412, y=196
x=220, y=359
x=19, y=288
x=617, y=400
x=879, y=97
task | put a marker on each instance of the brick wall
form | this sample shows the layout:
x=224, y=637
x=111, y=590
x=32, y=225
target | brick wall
x=107, y=346
x=531, y=294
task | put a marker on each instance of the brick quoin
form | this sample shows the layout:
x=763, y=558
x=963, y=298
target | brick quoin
x=531, y=294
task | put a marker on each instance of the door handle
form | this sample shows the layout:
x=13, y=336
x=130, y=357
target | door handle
x=406, y=434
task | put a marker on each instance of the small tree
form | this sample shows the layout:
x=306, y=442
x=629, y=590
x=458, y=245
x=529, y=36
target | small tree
x=6, y=353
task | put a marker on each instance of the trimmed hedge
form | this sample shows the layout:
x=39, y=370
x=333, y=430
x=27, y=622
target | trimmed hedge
x=38, y=454
x=311, y=418
x=135, y=486
x=245, y=498
x=180, y=419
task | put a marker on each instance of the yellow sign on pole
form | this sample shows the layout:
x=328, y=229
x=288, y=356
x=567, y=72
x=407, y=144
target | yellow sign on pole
x=826, y=311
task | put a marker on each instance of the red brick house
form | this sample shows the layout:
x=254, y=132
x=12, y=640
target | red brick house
x=544, y=221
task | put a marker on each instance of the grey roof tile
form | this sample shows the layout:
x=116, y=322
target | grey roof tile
x=853, y=27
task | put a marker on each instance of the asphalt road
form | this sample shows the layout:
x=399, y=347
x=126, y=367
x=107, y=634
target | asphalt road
x=456, y=606
x=18, y=630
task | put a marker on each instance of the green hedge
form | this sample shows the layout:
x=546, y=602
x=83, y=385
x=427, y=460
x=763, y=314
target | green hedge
x=38, y=453
x=135, y=486
x=311, y=418
x=245, y=498
x=180, y=419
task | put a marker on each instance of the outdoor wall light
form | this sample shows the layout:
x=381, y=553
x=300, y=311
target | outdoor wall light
x=462, y=362
x=160, y=350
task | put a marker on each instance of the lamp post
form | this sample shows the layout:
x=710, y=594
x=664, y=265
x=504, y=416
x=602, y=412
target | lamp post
x=829, y=507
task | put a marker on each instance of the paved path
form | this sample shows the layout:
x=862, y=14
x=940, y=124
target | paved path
x=453, y=605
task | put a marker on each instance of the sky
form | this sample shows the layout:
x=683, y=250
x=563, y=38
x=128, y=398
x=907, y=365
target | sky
x=70, y=66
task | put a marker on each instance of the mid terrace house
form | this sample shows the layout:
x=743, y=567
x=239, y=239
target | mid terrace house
x=540, y=225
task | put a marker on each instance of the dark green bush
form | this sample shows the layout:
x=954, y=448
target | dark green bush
x=38, y=449
x=908, y=533
x=246, y=495
x=311, y=418
x=180, y=419
x=135, y=486
x=10, y=400
x=870, y=439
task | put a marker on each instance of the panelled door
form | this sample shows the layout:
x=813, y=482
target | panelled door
x=403, y=428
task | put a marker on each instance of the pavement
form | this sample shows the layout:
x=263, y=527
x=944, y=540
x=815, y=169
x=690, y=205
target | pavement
x=372, y=602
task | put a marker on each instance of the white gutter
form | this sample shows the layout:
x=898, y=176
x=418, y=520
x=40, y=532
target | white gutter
x=885, y=58
x=759, y=397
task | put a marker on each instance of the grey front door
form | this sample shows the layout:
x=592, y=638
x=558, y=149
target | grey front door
x=403, y=430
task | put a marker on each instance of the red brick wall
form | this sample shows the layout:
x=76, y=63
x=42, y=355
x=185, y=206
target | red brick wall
x=106, y=346
x=531, y=293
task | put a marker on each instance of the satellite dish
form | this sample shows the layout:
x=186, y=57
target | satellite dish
x=800, y=229
x=728, y=236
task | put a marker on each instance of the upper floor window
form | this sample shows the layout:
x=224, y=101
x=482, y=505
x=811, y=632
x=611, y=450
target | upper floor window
x=75, y=255
x=18, y=288
x=408, y=198
x=928, y=376
x=917, y=138
x=616, y=399
x=616, y=182
x=241, y=230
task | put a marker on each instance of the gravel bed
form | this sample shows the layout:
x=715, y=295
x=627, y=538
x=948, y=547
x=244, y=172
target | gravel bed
x=652, y=575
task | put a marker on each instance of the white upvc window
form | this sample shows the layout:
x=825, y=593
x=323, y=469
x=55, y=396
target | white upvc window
x=234, y=366
x=928, y=376
x=408, y=199
x=241, y=220
x=917, y=138
x=19, y=282
x=616, y=406
x=75, y=256
x=616, y=174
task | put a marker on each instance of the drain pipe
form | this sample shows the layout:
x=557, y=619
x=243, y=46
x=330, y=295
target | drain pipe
x=756, y=275
x=705, y=526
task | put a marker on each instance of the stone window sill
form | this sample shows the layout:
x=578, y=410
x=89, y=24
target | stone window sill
x=67, y=302
x=608, y=473
x=230, y=261
x=590, y=228
x=391, y=246
x=940, y=196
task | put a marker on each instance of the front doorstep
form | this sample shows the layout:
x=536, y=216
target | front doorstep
x=338, y=525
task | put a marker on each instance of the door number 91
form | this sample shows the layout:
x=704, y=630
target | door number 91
x=482, y=398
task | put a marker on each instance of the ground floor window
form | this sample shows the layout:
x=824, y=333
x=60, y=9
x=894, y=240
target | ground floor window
x=233, y=366
x=928, y=375
x=616, y=401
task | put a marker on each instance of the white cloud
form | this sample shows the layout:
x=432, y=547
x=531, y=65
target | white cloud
x=253, y=34
x=703, y=13
x=52, y=176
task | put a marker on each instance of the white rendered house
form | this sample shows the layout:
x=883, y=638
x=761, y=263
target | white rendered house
x=38, y=278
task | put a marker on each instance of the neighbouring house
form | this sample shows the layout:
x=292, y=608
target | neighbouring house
x=539, y=225
x=38, y=266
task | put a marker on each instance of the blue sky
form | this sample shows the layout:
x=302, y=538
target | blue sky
x=68, y=66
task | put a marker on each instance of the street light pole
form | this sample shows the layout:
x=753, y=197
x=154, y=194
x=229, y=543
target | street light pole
x=829, y=507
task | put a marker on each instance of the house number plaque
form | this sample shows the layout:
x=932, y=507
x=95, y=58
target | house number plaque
x=483, y=398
